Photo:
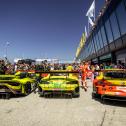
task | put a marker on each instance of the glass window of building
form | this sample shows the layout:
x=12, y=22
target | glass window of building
x=114, y=25
x=108, y=31
x=85, y=52
x=121, y=15
x=100, y=39
x=82, y=53
x=97, y=41
x=90, y=48
x=93, y=49
x=103, y=36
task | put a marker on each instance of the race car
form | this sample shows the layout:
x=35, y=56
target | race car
x=59, y=82
x=20, y=83
x=110, y=84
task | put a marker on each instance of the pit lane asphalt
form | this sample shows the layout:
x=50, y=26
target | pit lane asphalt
x=33, y=110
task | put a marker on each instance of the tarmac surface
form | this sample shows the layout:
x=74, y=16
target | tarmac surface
x=33, y=110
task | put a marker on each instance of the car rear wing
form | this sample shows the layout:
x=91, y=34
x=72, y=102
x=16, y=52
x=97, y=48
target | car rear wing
x=56, y=71
x=111, y=70
x=46, y=73
x=27, y=71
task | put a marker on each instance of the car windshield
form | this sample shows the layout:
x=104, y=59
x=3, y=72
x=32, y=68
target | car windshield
x=115, y=74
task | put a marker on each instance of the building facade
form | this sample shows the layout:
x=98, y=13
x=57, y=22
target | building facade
x=107, y=40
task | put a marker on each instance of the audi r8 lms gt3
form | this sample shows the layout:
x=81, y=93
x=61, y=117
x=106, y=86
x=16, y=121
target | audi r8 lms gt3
x=59, y=82
x=20, y=83
x=110, y=84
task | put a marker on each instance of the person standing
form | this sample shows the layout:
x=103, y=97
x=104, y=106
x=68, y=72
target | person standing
x=69, y=67
x=85, y=68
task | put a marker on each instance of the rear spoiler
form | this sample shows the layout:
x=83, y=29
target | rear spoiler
x=111, y=70
x=56, y=71
x=27, y=71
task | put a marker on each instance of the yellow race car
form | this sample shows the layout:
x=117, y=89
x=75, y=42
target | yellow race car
x=20, y=83
x=59, y=82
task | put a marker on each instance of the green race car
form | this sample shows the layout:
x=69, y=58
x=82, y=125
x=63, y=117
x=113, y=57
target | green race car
x=59, y=82
x=20, y=83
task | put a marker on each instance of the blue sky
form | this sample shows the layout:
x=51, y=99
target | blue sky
x=43, y=28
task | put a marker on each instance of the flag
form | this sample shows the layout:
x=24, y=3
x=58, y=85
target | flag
x=86, y=32
x=83, y=38
x=90, y=21
x=91, y=13
x=81, y=42
x=91, y=10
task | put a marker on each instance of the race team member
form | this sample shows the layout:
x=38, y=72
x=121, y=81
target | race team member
x=69, y=67
x=85, y=69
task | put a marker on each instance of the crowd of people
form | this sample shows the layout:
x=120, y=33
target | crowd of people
x=83, y=68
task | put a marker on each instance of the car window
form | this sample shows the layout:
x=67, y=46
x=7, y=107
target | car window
x=115, y=74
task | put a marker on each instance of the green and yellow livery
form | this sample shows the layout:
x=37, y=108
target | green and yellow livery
x=20, y=83
x=60, y=82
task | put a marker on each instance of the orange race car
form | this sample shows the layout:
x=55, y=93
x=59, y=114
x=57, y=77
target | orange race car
x=110, y=84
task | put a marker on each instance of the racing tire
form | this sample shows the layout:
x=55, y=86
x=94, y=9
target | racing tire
x=41, y=93
x=27, y=88
x=95, y=95
x=76, y=95
x=7, y=96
